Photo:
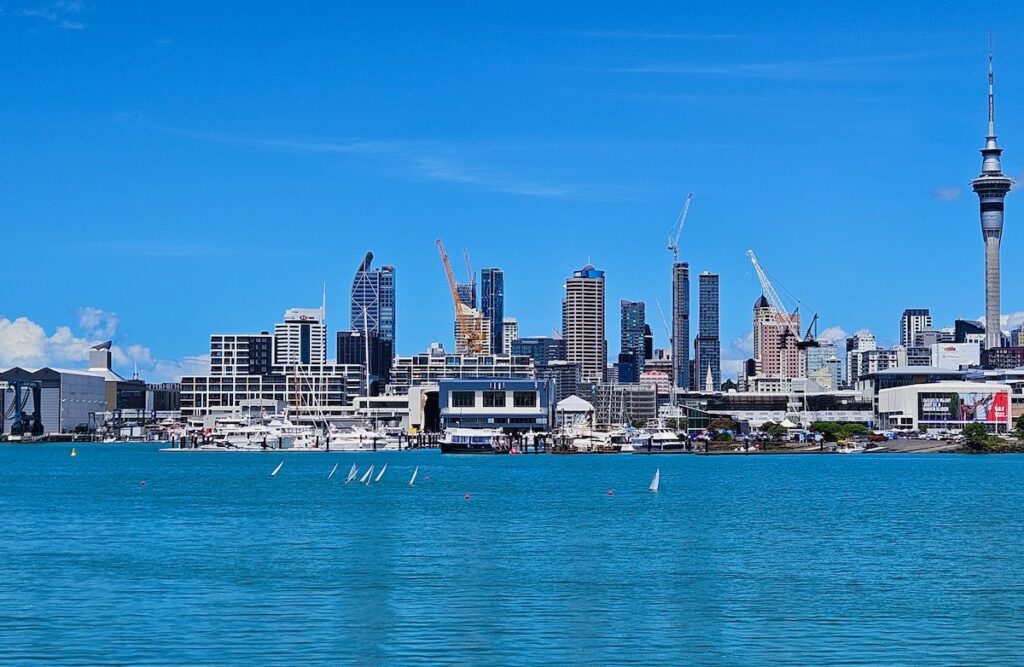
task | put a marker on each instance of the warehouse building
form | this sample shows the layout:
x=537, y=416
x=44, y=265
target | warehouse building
x=68, y=399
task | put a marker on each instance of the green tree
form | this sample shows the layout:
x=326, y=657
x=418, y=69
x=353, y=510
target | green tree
x=976, y=437
x=677, y=424
x=1018, y=431
x=638, y=423
x=828, y=430
x=722, y=424
x=774, y=431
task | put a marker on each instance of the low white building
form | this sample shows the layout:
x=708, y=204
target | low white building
x=956, y=356
x=946, y=406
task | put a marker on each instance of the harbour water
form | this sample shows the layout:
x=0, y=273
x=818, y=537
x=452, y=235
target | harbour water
x=895, y=559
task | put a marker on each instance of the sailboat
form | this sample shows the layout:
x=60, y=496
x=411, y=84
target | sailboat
x=414, y=473
x=333, y=470
x=352, y=473
x=277, y=469
x=365, y=479
x=381, y=473
x=73, y=452
x=656, y=482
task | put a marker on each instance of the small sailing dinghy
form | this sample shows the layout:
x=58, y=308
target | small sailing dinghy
x=333, y=470
x=352, y=473
x=381, y=473
x=365, y=479
x=414, y=473
x=277, y=469
x=73, y=452
x=656, y=482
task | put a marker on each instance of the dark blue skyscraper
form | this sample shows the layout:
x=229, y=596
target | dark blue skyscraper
x=492, y=303
x=373, y=300
x=632, y=339
x=681, y=323
x=707, y=347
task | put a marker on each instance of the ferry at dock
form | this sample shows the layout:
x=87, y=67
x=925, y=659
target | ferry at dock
x=475, y=441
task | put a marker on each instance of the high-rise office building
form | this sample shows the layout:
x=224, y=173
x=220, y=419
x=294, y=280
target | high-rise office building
x=991, y=186
x=509, y=333
x=633, y=316
x=856, y=346
x=913, y=321
x=492, y=303
x=775, y=341
x=480, y=324
x=373, y=300
x=542, y=349
x=648, y=343
x=681, y=323
x=583, y=323
x=354, y=346
x=707, y=348
x=301, y=338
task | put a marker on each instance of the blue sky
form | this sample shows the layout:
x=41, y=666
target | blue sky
x=174, y=169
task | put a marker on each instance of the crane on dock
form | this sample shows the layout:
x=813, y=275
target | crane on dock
x=677, y=229
x=468, y=325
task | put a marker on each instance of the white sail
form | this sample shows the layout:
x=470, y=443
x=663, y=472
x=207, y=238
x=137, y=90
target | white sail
x=333, y=470
x=352, y=473
x=277, y=469
x=365, y=479
x=656, y=482
x=414, y=473
x=381, y=473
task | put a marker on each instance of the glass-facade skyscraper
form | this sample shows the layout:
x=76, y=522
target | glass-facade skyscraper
x=633, y=318
x=707, y=347
x=373, y=300
x=492, y=304
x=681, y=323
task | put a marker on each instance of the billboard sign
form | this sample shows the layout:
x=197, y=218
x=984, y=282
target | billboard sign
x=964, y=407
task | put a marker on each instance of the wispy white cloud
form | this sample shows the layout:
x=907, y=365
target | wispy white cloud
x=97, y=322
x=439, y=161
x=62, y=14
x=783, y=69
x=833, y=334
x=949, y=193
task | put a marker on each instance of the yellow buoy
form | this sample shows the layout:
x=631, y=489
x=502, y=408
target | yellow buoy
x=73, y=452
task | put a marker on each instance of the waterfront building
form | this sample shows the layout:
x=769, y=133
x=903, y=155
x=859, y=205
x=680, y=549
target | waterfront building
x=492, y=303
x=508, y=404
x=947, y=406
x=509, y=333
x=661, y=363
x=632, y=320
x=623, y=404
x=583, y=313
x=241, y=354
x=681, y=323
x=542, y=349
x=755, y=409
x=991, y=187
x=627, y=369
x=353, y=347
x=857, y=344
x=435, y=365
x=68, y=399
x=302, y=337
x=373, y=300
x=913, y=321
x=661, y=380
x=707, y=354
x=564, y=375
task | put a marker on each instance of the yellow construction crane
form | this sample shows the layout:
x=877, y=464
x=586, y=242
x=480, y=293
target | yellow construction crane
x=469, y=326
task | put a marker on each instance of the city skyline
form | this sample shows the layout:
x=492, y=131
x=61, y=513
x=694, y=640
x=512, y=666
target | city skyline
x=303, y=194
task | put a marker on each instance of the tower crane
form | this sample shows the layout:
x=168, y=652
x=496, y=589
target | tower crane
x=469, y=327
x=773, y=298
x=677, y=229
x=668, y=334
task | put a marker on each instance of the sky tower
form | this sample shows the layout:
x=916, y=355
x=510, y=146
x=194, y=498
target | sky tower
x=991, y=185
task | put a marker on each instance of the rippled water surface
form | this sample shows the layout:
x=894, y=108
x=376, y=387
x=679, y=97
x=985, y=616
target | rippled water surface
x=738, y=560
